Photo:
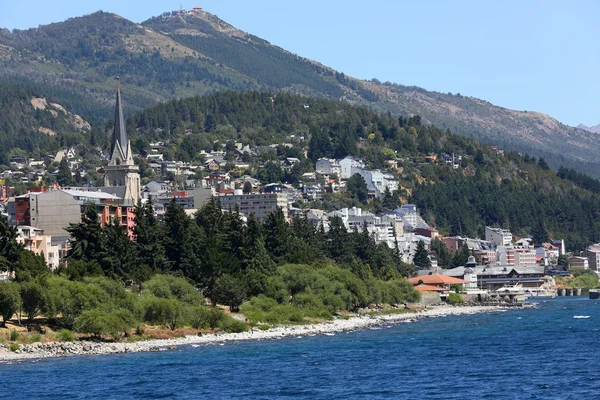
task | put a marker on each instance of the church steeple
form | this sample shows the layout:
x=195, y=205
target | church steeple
x=121, y=170
x=119, y=132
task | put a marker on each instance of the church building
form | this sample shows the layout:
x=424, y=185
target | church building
x=122, y=175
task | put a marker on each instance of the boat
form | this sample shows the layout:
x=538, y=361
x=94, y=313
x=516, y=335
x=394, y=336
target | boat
x=540, y=293
x=513, y=293
x=546, y=291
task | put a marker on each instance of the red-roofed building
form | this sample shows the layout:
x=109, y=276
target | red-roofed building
x=428, y=288
x=439, y=281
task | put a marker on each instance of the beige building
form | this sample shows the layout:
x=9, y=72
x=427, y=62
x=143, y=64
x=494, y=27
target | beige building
x=37, y=242
x=260, y=205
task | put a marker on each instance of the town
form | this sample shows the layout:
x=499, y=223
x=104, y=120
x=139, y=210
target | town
x=491, y=264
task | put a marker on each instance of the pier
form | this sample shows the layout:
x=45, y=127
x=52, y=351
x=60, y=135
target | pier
x=568, y=291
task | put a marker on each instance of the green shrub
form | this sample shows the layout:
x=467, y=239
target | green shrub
x=454, y=298
x=162, y=311
x=66, y=335
x=36, y=337
x=98, y=323
x=171, y=287
x=14, y=335
x=231, y=325
x=204, y=317
x=14, y=347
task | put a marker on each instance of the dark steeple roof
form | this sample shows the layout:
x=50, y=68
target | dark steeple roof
x=119, y=132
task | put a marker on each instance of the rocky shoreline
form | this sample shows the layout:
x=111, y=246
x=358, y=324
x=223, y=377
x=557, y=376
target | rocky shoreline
x=63, y=349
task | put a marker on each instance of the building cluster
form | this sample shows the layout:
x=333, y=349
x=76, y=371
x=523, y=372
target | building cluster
x=43, y=213
x=377, y=181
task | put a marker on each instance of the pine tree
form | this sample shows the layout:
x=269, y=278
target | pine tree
x=147, y=236
x=338, y=239
x=180, y=241
x=277, y=234
x=121, y=256
x=9, y=247
x=357, y=187
x=64, y=177
x=390, y=200
x=87, y=239
x=421, y=257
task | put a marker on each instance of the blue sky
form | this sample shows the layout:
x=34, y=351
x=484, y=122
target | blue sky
x=525, y=55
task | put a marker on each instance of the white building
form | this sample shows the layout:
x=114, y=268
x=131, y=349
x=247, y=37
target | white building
x=498, y=236
x=525, y=257
x=377, y=181
x=325, y=166
x=346, y=164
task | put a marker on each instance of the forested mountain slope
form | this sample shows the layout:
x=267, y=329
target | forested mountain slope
x=33, y=124
x=506, y=190
x=74, y=62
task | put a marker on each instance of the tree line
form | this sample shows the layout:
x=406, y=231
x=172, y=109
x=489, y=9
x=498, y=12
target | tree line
x=275, y=272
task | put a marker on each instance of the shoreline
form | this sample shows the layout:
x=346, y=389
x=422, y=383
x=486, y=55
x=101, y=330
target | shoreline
x=80, y=348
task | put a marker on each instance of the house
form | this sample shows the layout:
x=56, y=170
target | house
x=18, y=161
x=325, y=166
x=441, y=282
x=377, y=181
x=579, y=262
x=212, y=165
x=346, y=165
x=155, y=157
x=289, y=162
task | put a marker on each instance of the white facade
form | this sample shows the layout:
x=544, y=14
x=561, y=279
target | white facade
x=525, y=257
x=325, y=166
x=346, y=165
x=498, y=236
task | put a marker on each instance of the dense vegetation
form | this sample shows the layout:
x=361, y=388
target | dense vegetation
x=286, y=273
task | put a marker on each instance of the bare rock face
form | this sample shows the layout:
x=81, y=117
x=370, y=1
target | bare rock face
x=58, y=111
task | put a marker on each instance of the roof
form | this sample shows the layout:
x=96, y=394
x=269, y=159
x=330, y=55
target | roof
x=427, y=288
x=119, y=132
x=436, y=279
x=91, y=195
x=494, y=270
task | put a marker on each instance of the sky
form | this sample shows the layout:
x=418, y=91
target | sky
x=537, y=55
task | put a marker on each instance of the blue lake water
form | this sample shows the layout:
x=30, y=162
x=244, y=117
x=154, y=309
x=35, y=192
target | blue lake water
x=541, y=353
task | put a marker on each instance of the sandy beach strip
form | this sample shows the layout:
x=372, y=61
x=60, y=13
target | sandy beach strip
x=63, y=349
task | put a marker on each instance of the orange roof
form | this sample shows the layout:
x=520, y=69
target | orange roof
x=427, y=288
x=436, y=279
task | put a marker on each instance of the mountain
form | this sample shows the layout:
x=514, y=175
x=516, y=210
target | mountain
x=34, y=124
x=176, y=56
x=593, y=129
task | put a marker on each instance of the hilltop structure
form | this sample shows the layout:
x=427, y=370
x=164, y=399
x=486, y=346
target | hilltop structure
x=121, y=171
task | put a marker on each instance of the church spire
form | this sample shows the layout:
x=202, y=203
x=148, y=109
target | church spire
x=119, y=132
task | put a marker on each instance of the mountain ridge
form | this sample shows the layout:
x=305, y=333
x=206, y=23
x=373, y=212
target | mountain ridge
x=176, y=56
x=593, y=129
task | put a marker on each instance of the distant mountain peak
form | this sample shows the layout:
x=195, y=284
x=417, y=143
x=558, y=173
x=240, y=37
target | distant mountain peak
x=593, y=129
